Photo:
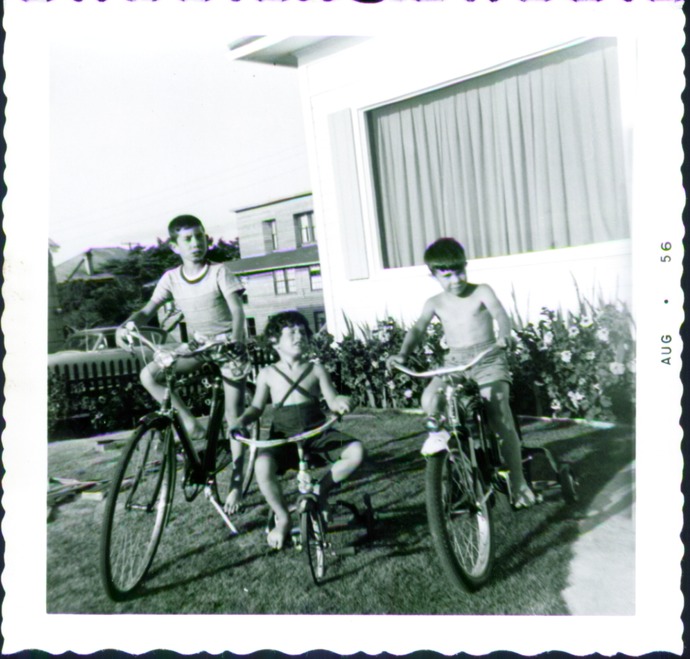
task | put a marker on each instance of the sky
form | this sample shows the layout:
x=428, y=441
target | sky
x=143, y=129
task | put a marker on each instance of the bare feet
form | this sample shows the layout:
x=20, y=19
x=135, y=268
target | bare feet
x=277, y=536
x=234, y=500
x=524, y=497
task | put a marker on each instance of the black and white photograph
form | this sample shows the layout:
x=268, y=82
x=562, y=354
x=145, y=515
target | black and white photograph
x=359, y=326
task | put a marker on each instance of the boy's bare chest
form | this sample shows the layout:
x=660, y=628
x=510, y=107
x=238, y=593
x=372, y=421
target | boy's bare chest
x=460, y=310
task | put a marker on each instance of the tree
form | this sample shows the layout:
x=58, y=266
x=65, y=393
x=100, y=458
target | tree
x=97, y=303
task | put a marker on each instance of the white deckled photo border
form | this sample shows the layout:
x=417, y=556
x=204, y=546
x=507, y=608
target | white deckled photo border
x=32, y=26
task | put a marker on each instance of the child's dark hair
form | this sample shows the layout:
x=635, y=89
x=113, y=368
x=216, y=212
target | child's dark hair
x=445, y=254
x=275, y=325
x=182, y=222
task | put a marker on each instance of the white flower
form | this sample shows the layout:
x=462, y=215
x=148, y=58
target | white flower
x=589, y=356
x=586, y=321
x=443, y=343
x=573, y=331
x=617, y=368
x=597, y=387
x=407, y=393
x=603, y=334
x=575, y=397
x=548, y=338
x=391, y=385
x=566, y=356
x=374, y=364
x=555, y=405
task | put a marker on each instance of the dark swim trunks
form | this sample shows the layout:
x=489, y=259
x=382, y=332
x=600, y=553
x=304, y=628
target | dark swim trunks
x=290, y=420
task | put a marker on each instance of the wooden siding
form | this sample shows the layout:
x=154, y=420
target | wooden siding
x=250, y=225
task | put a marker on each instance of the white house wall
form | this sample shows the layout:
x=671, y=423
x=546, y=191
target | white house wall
x=384, y=70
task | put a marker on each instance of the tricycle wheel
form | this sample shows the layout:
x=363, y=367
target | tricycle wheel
x=568, y=484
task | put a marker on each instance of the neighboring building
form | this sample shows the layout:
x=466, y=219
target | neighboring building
x=280, y=261
x=521, y=148
x=90, y=265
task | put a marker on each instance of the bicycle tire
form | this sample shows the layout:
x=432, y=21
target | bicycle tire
x=137, y=507
x=460, y=518
x=568, y=483
x=313, y=537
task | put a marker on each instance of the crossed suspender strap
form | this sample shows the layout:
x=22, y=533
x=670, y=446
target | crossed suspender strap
x=295, y=384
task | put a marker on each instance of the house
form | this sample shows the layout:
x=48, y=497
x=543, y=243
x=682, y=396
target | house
x=90, y=265
x=520, y=147
x=280, y=261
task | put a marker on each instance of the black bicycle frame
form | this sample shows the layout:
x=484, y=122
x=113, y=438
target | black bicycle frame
x=201, y=470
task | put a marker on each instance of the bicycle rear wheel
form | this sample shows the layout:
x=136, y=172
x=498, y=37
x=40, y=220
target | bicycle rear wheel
x=460, y=518
x=139, y=498
x=313, y=536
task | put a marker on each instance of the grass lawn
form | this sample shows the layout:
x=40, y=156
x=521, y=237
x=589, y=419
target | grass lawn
x=201, y=568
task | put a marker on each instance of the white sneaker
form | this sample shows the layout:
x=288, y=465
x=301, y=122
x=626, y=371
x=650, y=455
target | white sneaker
x=436, y=442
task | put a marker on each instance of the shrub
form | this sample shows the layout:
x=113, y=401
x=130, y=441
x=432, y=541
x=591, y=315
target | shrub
x=578, y=364
x=574, y=364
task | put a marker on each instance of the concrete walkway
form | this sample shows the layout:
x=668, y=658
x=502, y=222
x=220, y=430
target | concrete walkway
x=602, y=572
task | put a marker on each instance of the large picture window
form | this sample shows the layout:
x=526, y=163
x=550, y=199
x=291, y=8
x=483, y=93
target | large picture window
x=522, y=159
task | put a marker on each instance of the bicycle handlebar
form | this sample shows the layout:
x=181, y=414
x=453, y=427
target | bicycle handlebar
x=294, y=439
x=180, y=351
x=447, y=370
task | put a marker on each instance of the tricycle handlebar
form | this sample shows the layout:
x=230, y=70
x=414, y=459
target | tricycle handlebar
x=294, y=439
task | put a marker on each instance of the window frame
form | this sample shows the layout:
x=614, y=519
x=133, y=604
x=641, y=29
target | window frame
x=270, y=234
x=305, y=234
x=365, y=156
x=287, y=280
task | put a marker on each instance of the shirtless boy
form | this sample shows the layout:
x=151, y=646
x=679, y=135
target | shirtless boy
x=295, y=386
x=468, y=312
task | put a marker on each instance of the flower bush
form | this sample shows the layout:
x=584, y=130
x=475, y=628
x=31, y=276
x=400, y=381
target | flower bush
x=574, y=364
x=357, y=363
x=100, y=411
x=579, y=364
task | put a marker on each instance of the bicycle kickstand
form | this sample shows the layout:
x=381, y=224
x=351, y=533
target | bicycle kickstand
x=219, y=509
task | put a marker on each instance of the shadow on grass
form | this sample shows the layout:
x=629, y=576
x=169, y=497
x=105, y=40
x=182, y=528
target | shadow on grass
x=596, y=457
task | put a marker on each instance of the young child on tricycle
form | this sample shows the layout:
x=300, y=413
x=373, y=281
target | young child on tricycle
x=296, y=385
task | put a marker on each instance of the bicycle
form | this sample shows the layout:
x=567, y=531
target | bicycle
x=141, y=492
x=314, y=526
x=465, y=471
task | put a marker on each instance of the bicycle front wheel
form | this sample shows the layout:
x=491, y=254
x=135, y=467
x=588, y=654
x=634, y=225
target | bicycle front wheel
x=459, y=518
x=139, y=498
x=313, y=536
